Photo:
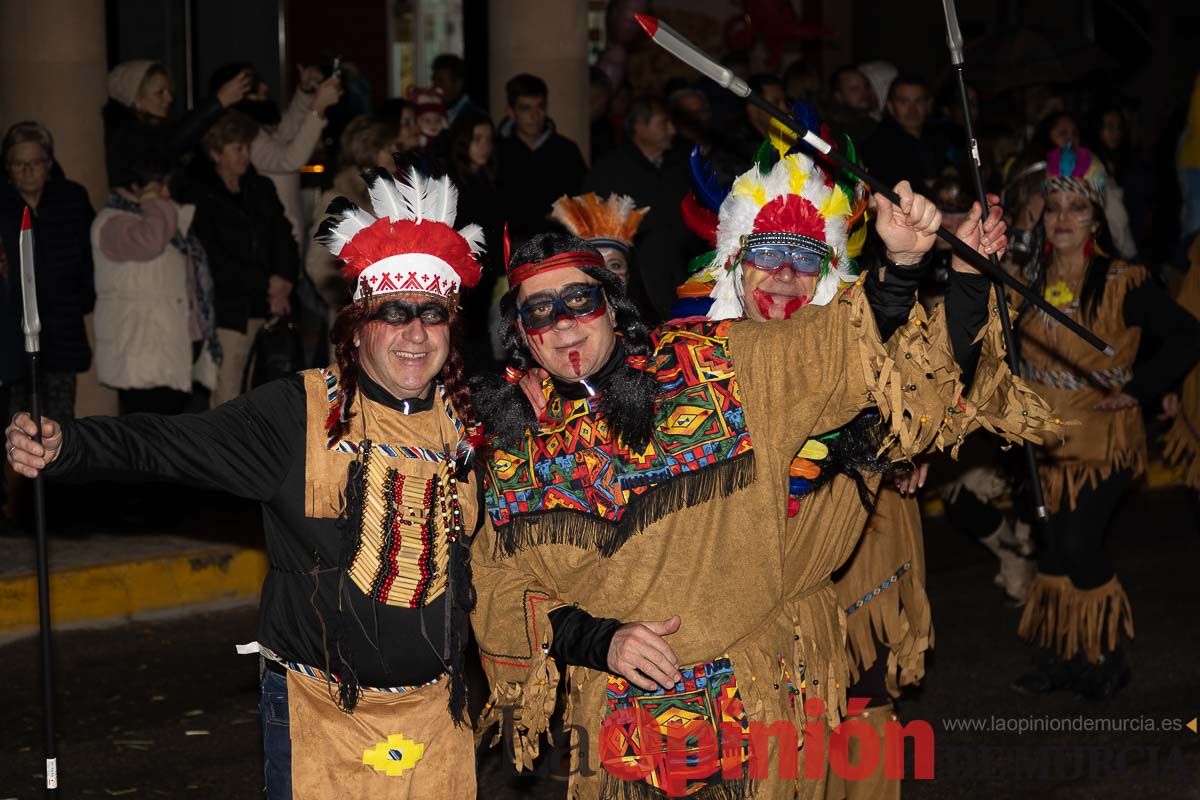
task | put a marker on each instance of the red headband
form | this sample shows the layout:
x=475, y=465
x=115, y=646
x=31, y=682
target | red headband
x=561, y=261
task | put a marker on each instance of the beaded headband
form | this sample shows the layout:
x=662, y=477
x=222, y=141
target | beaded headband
x=790, y=240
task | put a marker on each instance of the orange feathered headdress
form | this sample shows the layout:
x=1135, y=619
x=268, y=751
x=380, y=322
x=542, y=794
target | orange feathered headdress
x=610, y=222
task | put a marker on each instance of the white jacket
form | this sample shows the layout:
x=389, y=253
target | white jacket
x=281, y=151
x=143, y=333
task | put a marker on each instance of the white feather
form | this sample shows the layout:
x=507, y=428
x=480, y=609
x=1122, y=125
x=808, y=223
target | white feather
x=735, y=220
x=623, y=204
x=826, y=289
x=415, y=190
x=474, y=236
x=727, y=302
x=387, y=198
x=447, y=207
x=352, y=221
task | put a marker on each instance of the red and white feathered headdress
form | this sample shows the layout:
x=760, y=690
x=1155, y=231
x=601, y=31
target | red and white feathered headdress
x=409, y=244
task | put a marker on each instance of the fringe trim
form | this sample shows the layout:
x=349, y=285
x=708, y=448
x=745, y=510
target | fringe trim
x=819, y=654
x=522, y=711
x=1069, y=620
x=900, y=619
x=613, y=789
x=348, y=688
x=915, y=383
x=1003, y=403
x=1182, y=444
x=1064, y=480
x=587, y=531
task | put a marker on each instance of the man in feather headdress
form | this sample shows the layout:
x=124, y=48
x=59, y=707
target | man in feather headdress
x=787, y=235
x=363, y=472
x=637, y=509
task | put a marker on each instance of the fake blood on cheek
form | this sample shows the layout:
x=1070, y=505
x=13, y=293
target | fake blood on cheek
x=794, y=305
x=766, y=304
x=573, y=357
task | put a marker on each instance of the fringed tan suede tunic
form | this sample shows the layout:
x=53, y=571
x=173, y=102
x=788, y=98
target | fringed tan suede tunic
x=753, y=592
x=1073, y=377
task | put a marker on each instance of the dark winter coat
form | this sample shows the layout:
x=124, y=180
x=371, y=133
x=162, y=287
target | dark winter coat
x=530, y=180
x=663, y=245
x=125, y=131
x=62, y=254
x=248, y=239
x=895, y=155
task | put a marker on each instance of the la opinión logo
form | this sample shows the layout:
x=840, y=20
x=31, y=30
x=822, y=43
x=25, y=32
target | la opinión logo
x=692, y=750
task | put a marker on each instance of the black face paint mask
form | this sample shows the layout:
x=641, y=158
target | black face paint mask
x=395, y=312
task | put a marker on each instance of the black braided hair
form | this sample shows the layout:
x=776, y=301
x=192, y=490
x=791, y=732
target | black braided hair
x=628, y=394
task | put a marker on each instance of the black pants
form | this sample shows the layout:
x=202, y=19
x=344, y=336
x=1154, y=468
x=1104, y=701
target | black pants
x=159, y=400
x=1076, y=546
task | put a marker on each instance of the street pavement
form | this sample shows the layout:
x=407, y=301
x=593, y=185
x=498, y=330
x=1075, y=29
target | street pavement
x=167, y=709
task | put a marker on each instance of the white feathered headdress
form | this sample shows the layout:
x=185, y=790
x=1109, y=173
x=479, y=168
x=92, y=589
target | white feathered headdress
x=795, y=197
x=409, y=244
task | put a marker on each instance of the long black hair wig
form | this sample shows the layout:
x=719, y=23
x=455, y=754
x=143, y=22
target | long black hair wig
x=627, y=394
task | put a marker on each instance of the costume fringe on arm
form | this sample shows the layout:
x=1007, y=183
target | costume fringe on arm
x=914, y=381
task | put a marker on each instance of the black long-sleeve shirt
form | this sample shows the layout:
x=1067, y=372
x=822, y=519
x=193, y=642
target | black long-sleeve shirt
x=1149, y=307
x=254, y=447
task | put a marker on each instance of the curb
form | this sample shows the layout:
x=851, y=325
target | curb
x=122, y=591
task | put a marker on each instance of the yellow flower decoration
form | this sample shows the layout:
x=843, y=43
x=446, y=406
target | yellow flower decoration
x=1058, y=294
x=395, y=756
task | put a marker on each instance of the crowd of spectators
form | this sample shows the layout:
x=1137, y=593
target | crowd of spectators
x=202, y=237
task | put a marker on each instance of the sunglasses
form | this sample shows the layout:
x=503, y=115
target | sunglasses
x=572, y=304
x=395, y=312
x=770, y=257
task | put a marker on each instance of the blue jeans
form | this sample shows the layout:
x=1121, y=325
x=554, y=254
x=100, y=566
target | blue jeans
x=277, y=740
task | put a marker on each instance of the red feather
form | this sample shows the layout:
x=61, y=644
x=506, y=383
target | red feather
x=699, y=219
x=793, y=214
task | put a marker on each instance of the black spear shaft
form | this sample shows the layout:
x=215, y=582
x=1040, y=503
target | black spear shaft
x=43, y=581
x=1010, y=340
x=954, y=41
x=31, y=326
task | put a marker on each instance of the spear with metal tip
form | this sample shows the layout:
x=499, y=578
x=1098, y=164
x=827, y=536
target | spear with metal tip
x=31, y=326
x=955, y=41
x=670, y=40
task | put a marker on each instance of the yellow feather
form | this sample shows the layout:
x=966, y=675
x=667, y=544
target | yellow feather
x=856, y=240
x=797, y=176
x=781, y=138
x=836, y=205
